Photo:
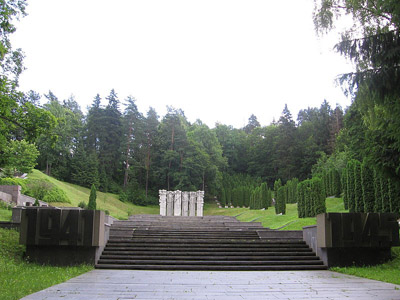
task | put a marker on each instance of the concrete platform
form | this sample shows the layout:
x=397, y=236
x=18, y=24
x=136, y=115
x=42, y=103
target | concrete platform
x=121, y=284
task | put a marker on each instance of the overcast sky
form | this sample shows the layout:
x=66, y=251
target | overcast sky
x=218, y=60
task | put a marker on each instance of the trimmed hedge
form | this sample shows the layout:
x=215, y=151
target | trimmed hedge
x=280, y=204
x=368, y=188
x=311, y=198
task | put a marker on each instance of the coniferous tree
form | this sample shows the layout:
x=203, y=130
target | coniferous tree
x=377, y=193
x=92, y=198
x=110, y=154
x=300, y=200
x=367, y=183
x=344, y=188
x=318, y=196
x=84, y=167
x=223, y=197
x=280, y=204
x=133, y=139
x=358, y=193
x=277, y=185
x=150, y=136
x=351, y=186
x=394, y=196
x=337, y=186
x=264, y=195
x=385, y=195
x=309, y=201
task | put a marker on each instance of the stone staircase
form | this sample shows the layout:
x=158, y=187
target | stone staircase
x=152, y=242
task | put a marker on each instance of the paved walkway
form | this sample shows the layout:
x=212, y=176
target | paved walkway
x=125, y=284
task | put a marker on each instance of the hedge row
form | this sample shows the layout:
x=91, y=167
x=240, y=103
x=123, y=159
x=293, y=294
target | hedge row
x=332, y=183
x=365, y=190
x=311, y=198
x=244, y=191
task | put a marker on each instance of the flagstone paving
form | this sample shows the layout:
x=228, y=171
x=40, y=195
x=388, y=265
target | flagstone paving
x=127, y=284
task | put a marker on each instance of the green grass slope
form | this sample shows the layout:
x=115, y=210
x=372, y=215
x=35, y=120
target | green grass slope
x=268, y=218
x=105, y=201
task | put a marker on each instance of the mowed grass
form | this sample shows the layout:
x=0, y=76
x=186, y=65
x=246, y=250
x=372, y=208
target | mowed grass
x=105, y=201
x=19, y=278
x=387, y=272
x=269, y=219
x=5, y=214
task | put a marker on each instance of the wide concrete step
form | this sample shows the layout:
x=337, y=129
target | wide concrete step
x=184, y=235
x=159, y=237
x=198, y=241
x=193, y=243
x=231, y=267
x=211, y=251
x=207, y=257
x=188, y=224
x=217, y=262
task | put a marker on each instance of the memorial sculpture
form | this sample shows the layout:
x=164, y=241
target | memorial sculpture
x=177, y=203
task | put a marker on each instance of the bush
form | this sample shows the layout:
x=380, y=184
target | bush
x=344, y=187
x=358, y=187
x=14, y=181
x=44, y=190
x=82, y=204
x=318, y=196
x=56, y=195
x=280, y=204
x=300, y=200
x=92, y=198
x=368, y=189
x=4, y=205
x=138, y=197
x=351, y=198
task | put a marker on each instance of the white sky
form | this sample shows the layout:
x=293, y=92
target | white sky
x=218, y=60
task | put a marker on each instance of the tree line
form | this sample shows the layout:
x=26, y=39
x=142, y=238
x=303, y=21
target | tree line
x=123, y=151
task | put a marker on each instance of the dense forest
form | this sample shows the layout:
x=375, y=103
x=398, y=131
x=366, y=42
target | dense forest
x=120, y=150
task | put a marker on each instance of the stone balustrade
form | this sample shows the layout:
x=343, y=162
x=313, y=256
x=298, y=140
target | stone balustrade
x=178, y=203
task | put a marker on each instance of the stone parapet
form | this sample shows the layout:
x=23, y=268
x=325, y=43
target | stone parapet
x=345, y=239
x=64, y=236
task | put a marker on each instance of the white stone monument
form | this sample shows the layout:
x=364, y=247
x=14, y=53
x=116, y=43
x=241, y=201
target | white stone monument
x=163, y=202
x=192, y=204
x=178, y=203
x=200, y=203
x=185, y=204
x=170, y=203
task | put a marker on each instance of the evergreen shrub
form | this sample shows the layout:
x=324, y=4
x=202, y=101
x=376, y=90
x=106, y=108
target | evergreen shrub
x=14, y=181
x=358, y=193
x=92, y=198
x=368, y=189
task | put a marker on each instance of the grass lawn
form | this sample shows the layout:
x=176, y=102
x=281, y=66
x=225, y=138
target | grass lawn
x=19, y=278
x=105, y=201
x=5, y=214
x=387, y=272
x=268, y=218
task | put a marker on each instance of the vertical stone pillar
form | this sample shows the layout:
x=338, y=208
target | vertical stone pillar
x=192, y=204
x=185, y=204
x=200, y=203
x=178, y=203
x=163, y=202
x=170, y=203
